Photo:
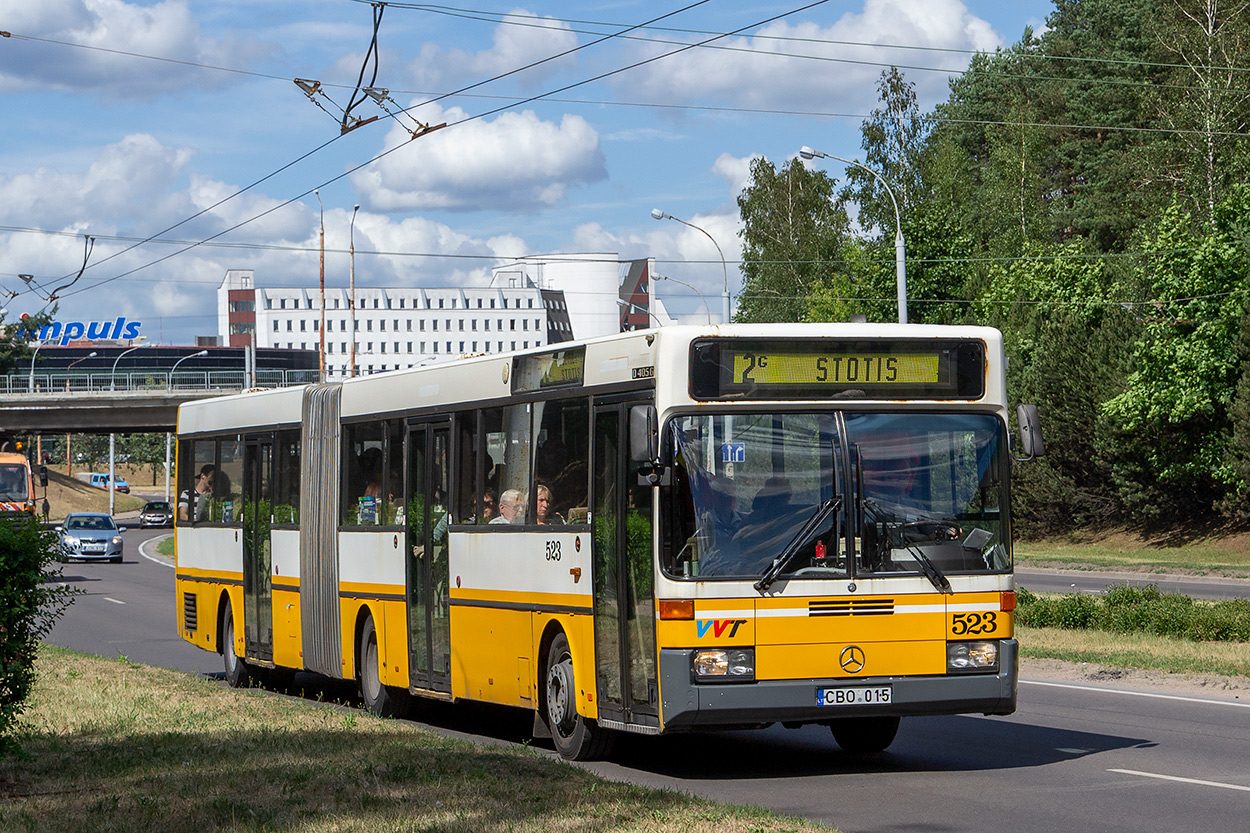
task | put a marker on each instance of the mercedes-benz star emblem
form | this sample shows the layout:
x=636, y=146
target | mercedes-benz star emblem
x=852, y=659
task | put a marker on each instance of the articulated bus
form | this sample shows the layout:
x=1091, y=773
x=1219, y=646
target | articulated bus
x=663, y=531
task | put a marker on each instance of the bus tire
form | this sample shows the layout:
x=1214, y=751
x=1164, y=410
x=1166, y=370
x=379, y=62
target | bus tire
x=575, y=737
x=864, y=735
x=380, y=699
x=238, y=675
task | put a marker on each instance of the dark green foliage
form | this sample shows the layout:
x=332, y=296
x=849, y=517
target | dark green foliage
x=1128, y=609
x=28, y=609
x=15, y=337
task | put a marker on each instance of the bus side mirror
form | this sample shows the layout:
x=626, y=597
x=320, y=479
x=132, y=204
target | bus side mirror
x=644, y=438
x=43, y=476
x=1031, y=444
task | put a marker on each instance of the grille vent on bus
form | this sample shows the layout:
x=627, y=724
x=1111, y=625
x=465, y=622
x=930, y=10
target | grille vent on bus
x=851, y=607
x=188, y=611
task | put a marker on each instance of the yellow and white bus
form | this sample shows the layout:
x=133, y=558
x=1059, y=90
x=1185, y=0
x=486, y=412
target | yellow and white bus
x=662, y=531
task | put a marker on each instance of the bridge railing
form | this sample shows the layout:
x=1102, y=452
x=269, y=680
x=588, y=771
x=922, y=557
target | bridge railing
x=225, y=381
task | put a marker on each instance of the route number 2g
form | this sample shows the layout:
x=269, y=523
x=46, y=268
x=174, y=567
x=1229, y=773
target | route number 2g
x=974, y=623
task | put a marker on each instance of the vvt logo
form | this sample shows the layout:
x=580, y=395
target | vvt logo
x=120, y=329
x=718, y=626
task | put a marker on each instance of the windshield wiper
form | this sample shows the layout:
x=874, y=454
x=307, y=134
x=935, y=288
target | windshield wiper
x=935, y=576
x=813, y=523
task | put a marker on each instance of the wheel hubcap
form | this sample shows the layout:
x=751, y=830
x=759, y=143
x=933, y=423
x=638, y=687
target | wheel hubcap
x=559, y=694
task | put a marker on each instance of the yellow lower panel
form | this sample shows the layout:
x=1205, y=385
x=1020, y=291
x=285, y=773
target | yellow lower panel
x=286, y=629
x=880, y=659
x=490, y=648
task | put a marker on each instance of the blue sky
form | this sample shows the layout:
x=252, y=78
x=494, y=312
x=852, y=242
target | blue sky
x=101, y=141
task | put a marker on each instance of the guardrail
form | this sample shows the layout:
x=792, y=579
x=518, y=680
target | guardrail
x=225, y=381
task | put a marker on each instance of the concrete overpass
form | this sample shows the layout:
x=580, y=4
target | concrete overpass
x=105, y=412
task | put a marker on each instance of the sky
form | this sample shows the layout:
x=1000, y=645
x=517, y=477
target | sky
x=171, y=139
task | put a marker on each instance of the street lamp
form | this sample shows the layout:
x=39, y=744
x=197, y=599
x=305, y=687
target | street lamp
x=112, y=435
x=198, y=355
x=352, y=273
x=631, y=306
x=30, y=387
x=69, y=462
x=706, y=309
x=657, y=214
x=900, y=248
x=321, y=240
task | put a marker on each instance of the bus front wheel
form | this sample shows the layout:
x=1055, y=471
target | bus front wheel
x=575, y=737
x=864, y=735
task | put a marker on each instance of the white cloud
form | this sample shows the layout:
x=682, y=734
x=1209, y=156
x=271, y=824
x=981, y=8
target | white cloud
x=167, y=29
x=771, y=76
x=516, y=161
x=520, y=41
x=736, y=171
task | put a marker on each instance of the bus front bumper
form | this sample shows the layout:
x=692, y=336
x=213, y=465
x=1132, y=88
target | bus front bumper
x=690, y=705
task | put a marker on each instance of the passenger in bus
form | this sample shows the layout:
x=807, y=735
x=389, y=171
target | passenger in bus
x=542, y=507
x=489, y=505
x=200, y=493
x=371, y=471
x=511, y=507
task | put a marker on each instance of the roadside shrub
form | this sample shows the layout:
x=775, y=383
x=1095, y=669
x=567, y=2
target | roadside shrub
x=29, y=606
x=1128, y=609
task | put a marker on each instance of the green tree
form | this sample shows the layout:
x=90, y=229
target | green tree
x=15, y=338
x=29, y=605
x=90, y=449
x=1175, y=411
x=793, y=237
x=146, y=449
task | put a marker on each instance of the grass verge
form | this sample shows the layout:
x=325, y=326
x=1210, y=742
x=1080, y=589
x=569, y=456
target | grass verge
x=166, y=546
x=1224, y=556
x=113, y=745
x=1135, y=650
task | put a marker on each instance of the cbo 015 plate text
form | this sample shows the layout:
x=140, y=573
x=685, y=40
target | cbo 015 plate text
x=863, y=695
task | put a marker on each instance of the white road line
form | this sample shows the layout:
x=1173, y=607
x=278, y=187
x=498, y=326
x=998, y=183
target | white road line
x=1197, y=781
x=1138, y=693
x=144, y=545
x=114, y=601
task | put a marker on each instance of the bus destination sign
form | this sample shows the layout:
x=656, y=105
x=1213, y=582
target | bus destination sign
x=859, y=369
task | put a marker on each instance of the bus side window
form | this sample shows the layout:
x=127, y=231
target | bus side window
x=561, y=455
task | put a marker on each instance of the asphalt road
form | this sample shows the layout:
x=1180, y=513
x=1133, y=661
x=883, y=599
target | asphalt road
x=1078, y=581
x=1074, y=757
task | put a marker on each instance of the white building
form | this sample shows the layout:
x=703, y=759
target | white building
x=530, y=302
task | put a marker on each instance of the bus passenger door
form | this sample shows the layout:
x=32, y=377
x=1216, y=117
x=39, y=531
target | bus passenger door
x=624, y=594
x=257, y=568
x=429, y=631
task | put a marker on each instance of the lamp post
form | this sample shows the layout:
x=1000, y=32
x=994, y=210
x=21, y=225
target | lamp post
x=69, y=461
x=321, y=241
x=657, y=214
x=113, y=436
x=900, y=248
x=198, y=355
x=706, y=309
x=632, y=306
x=352, y=280
x=30, y=387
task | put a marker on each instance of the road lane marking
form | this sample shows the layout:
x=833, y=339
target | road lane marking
x=1139, y=693
x=114, y=601
x=144, y=546
x=1197, y=781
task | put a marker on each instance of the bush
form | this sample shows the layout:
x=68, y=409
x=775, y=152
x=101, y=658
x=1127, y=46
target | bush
x=28, y=608
x=1128, y=609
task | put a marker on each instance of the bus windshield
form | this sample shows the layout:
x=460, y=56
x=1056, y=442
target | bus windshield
x=869, y=494
x=14, y=482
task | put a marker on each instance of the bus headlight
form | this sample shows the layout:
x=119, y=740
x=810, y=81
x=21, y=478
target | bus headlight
x=717, y=665
x=965, y=657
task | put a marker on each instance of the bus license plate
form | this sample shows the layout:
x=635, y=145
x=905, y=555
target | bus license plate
x=866, y=695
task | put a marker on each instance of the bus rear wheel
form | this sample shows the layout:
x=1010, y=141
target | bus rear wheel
x=864, y=735
x=380, y=699
x=575, y=737
x=238, y=675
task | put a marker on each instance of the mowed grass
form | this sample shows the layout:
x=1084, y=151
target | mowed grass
x=112, y=745
x=1135, y=650
x=1223, y=556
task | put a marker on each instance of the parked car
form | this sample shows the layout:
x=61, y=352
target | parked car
x=91, y=536
x=156, y=513
x=101, y=481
